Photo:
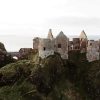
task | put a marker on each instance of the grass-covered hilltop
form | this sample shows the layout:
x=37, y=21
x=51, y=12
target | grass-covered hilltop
x=51, y=78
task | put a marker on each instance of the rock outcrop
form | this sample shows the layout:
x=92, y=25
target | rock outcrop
x=5, y=58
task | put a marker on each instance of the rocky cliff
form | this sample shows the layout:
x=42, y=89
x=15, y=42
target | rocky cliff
x=50, y=79
x=5, y=58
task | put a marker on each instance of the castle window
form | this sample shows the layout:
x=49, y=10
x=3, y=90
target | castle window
x=59, y=45
x=75, y=47
x=90, y=44
x=44, y=48
x=78, y=48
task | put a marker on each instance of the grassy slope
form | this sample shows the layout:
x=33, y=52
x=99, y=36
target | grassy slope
x=49, y=79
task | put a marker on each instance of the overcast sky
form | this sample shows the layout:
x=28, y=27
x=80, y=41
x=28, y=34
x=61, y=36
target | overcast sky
x=34, y=17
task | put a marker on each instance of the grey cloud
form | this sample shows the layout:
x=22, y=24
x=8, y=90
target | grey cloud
x=75, y=21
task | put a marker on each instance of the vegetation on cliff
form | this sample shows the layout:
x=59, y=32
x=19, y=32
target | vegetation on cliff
x=50, y=79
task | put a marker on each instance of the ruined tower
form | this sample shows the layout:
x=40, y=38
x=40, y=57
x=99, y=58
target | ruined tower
x=61, y=43
x=83, y=42
x=92, y=50
x=35, y=43
x=76, y=44
x=45, y=48
x=50, y=36
x=83, y=36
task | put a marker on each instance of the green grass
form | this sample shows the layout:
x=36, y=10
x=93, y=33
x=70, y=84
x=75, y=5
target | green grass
x=22, y=91
x=63, y=80
x=11, y=69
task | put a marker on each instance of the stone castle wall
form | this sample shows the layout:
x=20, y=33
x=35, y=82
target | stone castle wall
x=93, y=50
x=35, y=43
x=61, y=43
x=63, y=46
x=46, y=48
x=76, y=44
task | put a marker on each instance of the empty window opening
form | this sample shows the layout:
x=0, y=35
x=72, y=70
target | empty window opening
x=59, y=45
x=44, y=48
x=90, y=44
x=75, y=47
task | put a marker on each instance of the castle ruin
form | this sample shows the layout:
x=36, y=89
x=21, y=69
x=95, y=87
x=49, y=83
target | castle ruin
x=62, y=45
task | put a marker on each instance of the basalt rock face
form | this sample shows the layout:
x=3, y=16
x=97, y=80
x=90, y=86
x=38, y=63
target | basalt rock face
x=4, y=57
x=2, y=47
x=51, y=78
x=3, y=54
